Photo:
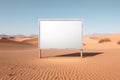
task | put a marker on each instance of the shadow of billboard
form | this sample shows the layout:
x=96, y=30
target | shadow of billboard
x=77, y=54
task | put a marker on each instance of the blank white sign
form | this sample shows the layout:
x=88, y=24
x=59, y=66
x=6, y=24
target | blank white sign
x=60, y=34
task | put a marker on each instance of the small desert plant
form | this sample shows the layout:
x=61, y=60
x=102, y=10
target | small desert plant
x=11, y=37
x=104, y=40
x=118, y=42
x=4, y=38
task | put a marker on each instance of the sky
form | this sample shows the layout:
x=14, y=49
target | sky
x=21, y=16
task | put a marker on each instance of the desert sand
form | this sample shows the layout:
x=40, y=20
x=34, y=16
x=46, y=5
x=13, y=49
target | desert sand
x=19, y=60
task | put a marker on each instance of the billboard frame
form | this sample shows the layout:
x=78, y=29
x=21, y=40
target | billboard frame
x=40, y=50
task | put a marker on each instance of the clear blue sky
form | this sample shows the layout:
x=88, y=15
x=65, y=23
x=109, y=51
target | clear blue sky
x=21, y=16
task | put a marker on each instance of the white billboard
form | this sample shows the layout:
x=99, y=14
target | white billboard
x=60, y=34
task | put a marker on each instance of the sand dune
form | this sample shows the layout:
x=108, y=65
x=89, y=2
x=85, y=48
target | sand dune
x=6, y=44
x=93, y=43
x=31, y=41
x=19, y=60
x=114, y=37
x=19, y=39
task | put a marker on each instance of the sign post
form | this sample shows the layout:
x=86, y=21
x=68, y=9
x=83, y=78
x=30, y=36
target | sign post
x=40, y=53
x=81, y=53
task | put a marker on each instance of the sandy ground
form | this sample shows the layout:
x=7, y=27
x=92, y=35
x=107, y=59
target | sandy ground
x=19, y=60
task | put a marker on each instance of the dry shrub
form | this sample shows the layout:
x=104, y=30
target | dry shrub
x=118, y=42
x=104, y=40
x=4, y=38
x=12, y=37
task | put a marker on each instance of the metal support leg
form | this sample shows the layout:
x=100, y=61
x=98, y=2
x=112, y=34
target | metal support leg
x=81, y=53
x=40, y=53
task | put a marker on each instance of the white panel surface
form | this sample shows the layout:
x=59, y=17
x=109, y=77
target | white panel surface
x=60, y=34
